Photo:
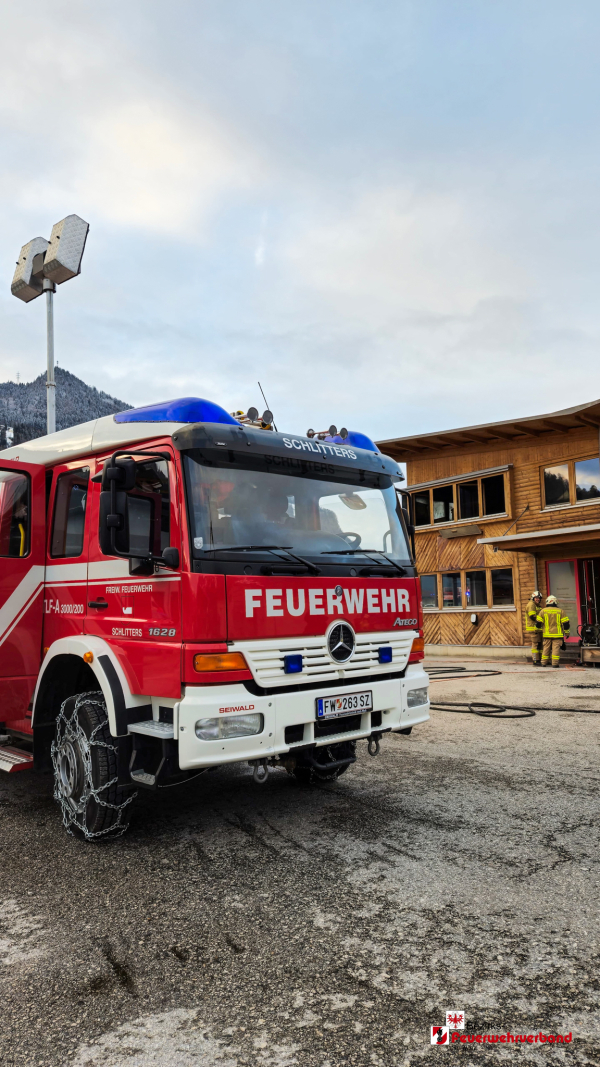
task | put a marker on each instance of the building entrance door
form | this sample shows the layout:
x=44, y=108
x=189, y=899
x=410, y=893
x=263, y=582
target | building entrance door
x=589, y=591
x=563, y=582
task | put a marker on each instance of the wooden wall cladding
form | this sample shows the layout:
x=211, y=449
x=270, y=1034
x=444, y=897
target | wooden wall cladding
x=435, y=553
x=504, y=628
x=426, y=546
x=449, y=553
x=473, y=555
x=478, y=634
x=452, y=628
x=456, y=628
x=432, y=629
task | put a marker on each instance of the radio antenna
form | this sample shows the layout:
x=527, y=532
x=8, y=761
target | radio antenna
x=265, y=400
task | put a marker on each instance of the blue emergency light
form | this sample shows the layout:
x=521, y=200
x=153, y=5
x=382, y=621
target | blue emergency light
x=186, y=409
x=292, y=664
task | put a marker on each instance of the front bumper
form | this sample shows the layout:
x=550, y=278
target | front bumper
x=281, y=710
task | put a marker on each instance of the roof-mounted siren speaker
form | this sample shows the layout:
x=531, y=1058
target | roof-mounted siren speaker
x=65, y=251
x=27, y=279
x=267, y=420
x=252, y=414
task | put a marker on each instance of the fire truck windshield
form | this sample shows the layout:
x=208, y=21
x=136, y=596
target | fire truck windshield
x=314, y=508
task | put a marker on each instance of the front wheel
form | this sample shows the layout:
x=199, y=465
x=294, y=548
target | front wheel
x=84, y=758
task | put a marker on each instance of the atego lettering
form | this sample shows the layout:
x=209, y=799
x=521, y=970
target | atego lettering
x=314, y=601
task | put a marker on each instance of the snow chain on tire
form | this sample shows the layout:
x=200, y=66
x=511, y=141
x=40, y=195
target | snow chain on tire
x=70, y=732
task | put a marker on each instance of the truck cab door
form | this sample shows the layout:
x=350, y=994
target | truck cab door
x=22, y=558
x=140, y=616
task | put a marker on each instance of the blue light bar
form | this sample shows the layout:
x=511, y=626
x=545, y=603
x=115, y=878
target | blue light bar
x=360, y=440
x=186, y=409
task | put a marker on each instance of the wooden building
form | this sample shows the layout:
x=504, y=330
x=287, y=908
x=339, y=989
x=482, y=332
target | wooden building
x=500, y=510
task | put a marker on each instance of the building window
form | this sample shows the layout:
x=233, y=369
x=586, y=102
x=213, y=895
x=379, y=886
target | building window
x=443, y=503
x=429, y=593
x=556, y=485
x=493, y=495
x=474, y=499
x=468, y=500
x=475, y=589
x=422, y=516
x=502, y=587
x=451, y=591
x=587, y=479
x=68, y=524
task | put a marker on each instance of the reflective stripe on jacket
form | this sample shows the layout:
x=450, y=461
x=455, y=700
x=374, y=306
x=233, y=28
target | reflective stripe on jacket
x=531, y=613
x=553, y=622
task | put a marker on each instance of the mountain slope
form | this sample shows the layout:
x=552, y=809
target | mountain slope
x=23, y=406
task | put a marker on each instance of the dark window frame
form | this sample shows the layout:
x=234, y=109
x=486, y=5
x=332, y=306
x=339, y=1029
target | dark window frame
x=437, y=592
x=572, y=502
x=455, y=484
x=83, y=474
x=27, y=550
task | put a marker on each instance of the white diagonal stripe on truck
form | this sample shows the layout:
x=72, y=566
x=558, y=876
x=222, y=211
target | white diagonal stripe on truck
x=19, y=600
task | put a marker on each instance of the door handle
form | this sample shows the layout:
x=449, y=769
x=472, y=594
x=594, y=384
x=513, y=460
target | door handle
x=97, y=604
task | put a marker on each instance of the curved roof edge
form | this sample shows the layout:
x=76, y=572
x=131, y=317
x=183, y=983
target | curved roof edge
x=582, y=416
x=99, y=435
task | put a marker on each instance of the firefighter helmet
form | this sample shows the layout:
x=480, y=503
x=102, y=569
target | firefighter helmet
x=550, y=600
x=536, y=595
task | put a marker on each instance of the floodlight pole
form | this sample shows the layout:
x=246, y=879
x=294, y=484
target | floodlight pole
x=49, y=288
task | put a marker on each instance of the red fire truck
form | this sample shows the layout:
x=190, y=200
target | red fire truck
x=181, y=589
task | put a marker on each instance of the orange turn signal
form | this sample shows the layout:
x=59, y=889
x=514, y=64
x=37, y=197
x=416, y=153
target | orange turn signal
x=222, y=661
x=418, y=644
x=88, y=657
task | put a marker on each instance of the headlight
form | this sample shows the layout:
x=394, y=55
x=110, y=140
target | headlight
x=414, y=697
x=229, y=726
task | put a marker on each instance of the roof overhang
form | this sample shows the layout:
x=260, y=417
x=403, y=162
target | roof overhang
x=540, y=539
x=584, y=416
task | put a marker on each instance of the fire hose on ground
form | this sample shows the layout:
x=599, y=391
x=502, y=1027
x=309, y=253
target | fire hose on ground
x=491, y=711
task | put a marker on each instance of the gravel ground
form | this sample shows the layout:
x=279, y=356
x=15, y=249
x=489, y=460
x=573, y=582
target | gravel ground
x=286, y=925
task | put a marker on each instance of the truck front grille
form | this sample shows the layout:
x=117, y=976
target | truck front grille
x=265, y=658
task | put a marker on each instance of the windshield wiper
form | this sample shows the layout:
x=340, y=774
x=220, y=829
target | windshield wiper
x=363, y=552
x=268, y=548
x=246, y=548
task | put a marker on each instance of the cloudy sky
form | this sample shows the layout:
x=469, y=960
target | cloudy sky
x=386, y=211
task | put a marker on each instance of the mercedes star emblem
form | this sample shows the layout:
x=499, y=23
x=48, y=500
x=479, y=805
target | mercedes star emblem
x=340, y=642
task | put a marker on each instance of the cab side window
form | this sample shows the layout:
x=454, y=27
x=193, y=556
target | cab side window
x=147, y=529
x=14, y=513
x=68, y=521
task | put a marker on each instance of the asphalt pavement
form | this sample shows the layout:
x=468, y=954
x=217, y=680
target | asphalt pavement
x=285, y=925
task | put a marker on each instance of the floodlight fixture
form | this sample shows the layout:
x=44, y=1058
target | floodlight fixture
x=41, y=266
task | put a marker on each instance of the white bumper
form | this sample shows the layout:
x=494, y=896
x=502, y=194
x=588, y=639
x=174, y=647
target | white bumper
x=281, y=710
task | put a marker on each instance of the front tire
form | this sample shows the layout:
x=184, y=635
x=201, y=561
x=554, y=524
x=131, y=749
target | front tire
x=84, y=759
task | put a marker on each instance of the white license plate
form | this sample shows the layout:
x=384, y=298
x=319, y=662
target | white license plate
x=330, y=707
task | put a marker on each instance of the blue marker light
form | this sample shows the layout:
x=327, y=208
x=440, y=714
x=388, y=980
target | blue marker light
x=385, y=654
x=292, y=664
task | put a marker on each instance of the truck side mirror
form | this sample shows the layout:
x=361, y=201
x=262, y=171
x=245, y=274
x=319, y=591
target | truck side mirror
x=170, y=558
x=122, y=471
x=110, y=519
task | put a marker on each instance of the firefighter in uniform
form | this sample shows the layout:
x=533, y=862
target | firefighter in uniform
x=554, y=627
x=531, y=629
